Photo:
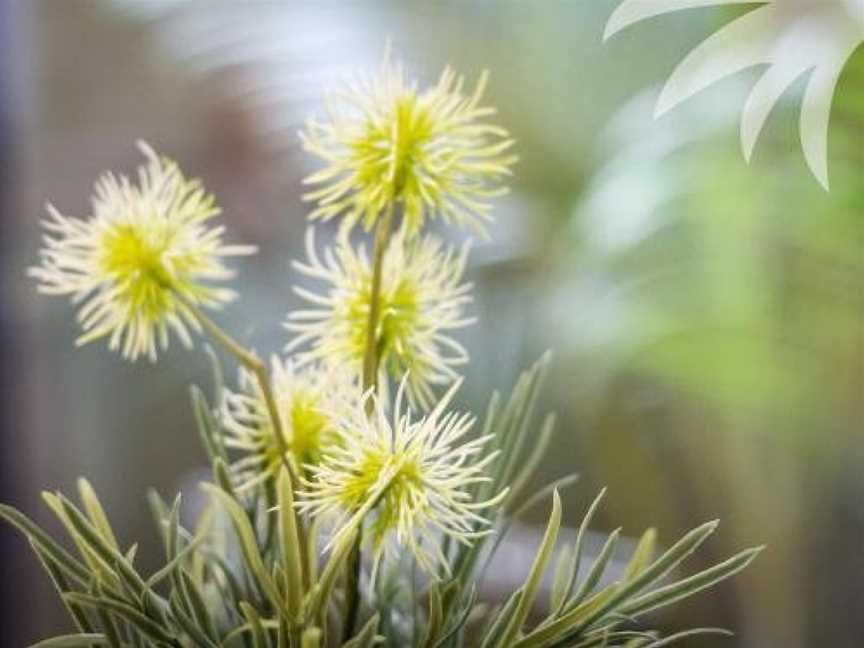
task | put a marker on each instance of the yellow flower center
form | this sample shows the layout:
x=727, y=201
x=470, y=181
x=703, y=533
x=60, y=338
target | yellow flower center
x=392, y=151
x=399, y=315
x=404, y=491
x=310, y=429
x=136, y=263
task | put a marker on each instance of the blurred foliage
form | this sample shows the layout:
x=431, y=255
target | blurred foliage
x=726, y=304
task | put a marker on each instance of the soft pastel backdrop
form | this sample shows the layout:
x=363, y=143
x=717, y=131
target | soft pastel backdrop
x=707, y=315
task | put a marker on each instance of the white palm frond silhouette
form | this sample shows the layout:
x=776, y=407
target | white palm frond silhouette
x=791, y=37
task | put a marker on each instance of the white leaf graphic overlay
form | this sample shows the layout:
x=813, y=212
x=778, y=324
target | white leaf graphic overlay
x=791, y=37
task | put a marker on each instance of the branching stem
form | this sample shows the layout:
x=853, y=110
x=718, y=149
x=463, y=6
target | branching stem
x=254, y=364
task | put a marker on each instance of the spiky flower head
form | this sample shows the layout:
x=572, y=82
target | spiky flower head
x=417, y=476
x=306, y=400
x=146, y=252
x=422, y=300
x=386, y=142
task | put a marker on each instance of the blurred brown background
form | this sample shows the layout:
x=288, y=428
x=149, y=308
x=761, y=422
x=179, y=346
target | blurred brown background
x=707, y=315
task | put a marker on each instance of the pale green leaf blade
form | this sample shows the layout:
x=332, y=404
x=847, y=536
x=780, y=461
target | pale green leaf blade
x=532, y=583
x=82, y=640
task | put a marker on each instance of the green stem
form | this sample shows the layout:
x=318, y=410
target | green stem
x=352, y=587
x=371, y=362
x=253, y=363
x=371, y=355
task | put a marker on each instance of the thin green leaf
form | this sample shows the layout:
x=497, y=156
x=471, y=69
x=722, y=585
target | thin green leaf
x=81, y=640
x=260, y=638
x=320, y=595
x=188, y=624
x=170, y=567
x=559, y=484
x=95, y=559
x=436, y=616
x=203, y=529
x=172, y=538
x=657, y=570
x=246, y=628
x=517, y=418
x=200, y=612
x=499, y=623
x=687, y=634
x=248, y=542
x=642, y=555
x=312, y=638
x=160, y=512
x=95, y=511
x=580, y=539
x=342, y=543
x=62, y=558
x=138, y=619
x=79, y=617
x=366, y=637
x=541, y=445
x=564, y=567
x=109, y=625
x=128, y=576
x=204, y=423
x=222, y=477
x=532, y=583
x=692, y=584
x=598, y=568
x=460, y=620
x=289, y=539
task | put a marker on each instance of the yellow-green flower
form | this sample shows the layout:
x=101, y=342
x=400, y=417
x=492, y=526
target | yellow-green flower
x=385, y=142
x=422, y=300
x=145, y=252
x=306, y=400
x=416, y=475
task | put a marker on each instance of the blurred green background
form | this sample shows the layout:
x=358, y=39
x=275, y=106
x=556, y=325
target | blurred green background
x=707, y=316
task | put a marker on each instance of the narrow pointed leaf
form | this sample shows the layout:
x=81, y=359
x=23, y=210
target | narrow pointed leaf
x=138, y=619
x=678, y=636
x=62, y=558
x=95, y=511
x=692, y=584
x=598, y=568
x=366, y=637
x=289, y=538
x=642, y=555
x=532, y=584
x=260, y=638
x=83, y=640
x=248, y=542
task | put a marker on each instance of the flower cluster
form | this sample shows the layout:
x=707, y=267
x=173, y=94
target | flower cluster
x=141, y=260
x=311, y=444
x=305, y=401
x=148, y=259
x=385, y=142
x=422, y=299
x=423, y=470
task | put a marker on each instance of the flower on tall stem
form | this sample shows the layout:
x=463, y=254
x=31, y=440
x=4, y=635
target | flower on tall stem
x=384, y=141
x=421, y=300
x=147, y=253
x=306, y=400
x=418, y=472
